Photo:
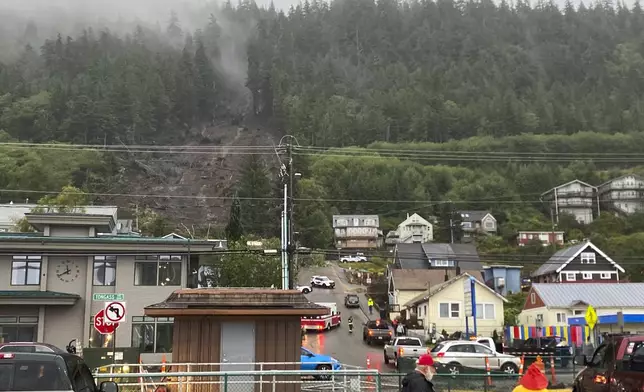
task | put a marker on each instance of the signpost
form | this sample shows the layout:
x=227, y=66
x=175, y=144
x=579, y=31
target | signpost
x=469, y=287
x=105, y=327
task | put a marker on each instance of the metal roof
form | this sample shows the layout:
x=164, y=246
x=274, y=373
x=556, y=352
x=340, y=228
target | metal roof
x=599, y=295
x=558, y=259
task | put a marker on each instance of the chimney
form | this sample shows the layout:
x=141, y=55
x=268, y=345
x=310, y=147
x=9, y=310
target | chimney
x=408, y=215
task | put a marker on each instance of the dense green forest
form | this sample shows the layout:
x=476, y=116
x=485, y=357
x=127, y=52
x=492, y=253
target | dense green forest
x=421, y=106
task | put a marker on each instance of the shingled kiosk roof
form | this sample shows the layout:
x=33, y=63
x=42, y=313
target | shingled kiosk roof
x=235, y=302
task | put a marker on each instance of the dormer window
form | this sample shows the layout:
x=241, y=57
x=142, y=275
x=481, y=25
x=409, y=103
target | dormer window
x=588, y=258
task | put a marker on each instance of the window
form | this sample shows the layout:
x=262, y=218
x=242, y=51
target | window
x=449, y=310
x=587, y=275
x=104, y=270
x=561, y=317
x=462, y=348
x=440, y=263
x=466, y=225
x=533, y=298
x=482, y=350
x=25, y=270
x=606, y=275
x=571, y=276
x=588, y=258
x=485, y=311
x=152, y=335
x=18, y=329
x=489, y=224
x=164, y=270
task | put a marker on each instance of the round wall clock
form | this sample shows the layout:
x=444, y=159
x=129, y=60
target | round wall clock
x=68, y=271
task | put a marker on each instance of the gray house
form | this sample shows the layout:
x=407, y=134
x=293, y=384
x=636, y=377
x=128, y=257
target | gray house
x=356, y=231
x=440, y=256
x=48, y=279
x=477, y=222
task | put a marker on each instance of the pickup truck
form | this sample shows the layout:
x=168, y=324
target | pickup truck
x=616, y=365
x=403, y=346
x=377, y=331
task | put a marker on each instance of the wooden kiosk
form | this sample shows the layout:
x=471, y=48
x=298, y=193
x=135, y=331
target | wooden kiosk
x=237, y=330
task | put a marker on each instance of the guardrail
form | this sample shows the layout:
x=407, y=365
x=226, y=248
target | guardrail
x=309, y=381
x=201, y=367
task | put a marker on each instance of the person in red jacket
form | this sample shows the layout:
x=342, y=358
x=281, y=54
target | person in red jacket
x=420, y=380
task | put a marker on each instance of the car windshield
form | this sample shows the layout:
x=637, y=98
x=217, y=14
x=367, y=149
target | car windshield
x=33, y=376
x=409, y=342
x=437, y=348
x=353, y=298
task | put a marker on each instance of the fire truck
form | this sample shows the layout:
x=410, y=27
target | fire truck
x=322, y=323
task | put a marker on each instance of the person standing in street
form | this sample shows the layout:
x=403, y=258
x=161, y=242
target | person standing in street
x=400, y=329
x=370, y=305
x=420, y=380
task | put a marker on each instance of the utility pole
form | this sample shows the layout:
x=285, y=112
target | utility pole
x=290, y=232
x=451, y=223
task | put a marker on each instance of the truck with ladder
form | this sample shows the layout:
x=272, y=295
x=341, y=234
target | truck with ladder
x=323, y=323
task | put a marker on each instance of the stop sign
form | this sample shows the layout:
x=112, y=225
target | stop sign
x=102, y=325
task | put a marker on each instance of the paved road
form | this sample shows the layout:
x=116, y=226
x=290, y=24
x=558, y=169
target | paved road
x=338, y=343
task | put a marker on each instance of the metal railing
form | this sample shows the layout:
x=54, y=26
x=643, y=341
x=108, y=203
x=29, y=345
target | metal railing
x=201, y=367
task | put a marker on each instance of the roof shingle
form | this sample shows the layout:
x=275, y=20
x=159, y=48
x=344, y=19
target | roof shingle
x=599, y=295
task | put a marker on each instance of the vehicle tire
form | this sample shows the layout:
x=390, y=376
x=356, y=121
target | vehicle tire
x=306, y=291
x=509, y=368
x=364, y=337
x=386, y=359
x=323, y=367
x=396, y=361
x=454, y=368
x=368, y=342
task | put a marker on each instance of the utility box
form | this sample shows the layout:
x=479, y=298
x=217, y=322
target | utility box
x=96, y=358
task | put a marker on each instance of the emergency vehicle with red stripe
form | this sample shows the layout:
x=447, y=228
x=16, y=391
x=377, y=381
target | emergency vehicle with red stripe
x=323, y=323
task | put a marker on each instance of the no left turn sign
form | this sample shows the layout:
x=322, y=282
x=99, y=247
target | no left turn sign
x=115, y=312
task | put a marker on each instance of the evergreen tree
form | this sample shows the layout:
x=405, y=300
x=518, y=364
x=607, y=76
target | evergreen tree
x=234, y=229
x=253, y=189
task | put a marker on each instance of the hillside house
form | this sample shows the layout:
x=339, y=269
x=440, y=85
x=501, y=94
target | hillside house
x=580, y=263
x=415, y=229
x=356, y=231
x=624, y=194
x=547, y=238
x=477, y=222
x=576, y=198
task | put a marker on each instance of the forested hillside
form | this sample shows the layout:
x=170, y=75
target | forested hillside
x=422, y=106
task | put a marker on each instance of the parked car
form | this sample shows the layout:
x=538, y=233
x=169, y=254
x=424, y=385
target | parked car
x=304, y=289
x=30, y=347
x=377, y=331
x=353, y=259
x=322, y=281
x=32, y=372
x=453, y=356
x=617, y=364
x=403, y=346
x=352, y=301
x=313, y=361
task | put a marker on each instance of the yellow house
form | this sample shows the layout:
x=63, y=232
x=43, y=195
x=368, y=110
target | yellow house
x=405, y=284
x=445, y=305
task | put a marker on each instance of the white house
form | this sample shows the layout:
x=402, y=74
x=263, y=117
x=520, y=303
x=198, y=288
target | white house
x=557, y=304
x=444, y=305
x=415, y=229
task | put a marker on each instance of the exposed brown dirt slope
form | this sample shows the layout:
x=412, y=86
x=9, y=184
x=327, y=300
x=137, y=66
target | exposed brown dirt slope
x=197, y=185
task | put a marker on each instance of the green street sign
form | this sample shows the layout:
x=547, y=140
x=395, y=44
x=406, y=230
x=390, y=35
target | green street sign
x=106, y=297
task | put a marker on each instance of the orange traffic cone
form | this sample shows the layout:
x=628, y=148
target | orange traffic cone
x=488, y=371
x=163, y=364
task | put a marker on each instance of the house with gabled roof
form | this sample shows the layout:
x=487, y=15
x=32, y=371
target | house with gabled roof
x=580, y=263
x=477, y=222
x=436, y=255
x=561, y=304
x=576, y=198
x=443, y=304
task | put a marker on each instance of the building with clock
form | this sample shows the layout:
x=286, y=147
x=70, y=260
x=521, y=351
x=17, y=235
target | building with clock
x=48, y=280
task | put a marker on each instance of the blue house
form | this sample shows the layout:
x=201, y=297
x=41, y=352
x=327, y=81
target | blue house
x=504, y=279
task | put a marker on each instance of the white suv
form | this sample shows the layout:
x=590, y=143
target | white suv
x=322, y=281
x=304, y=289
